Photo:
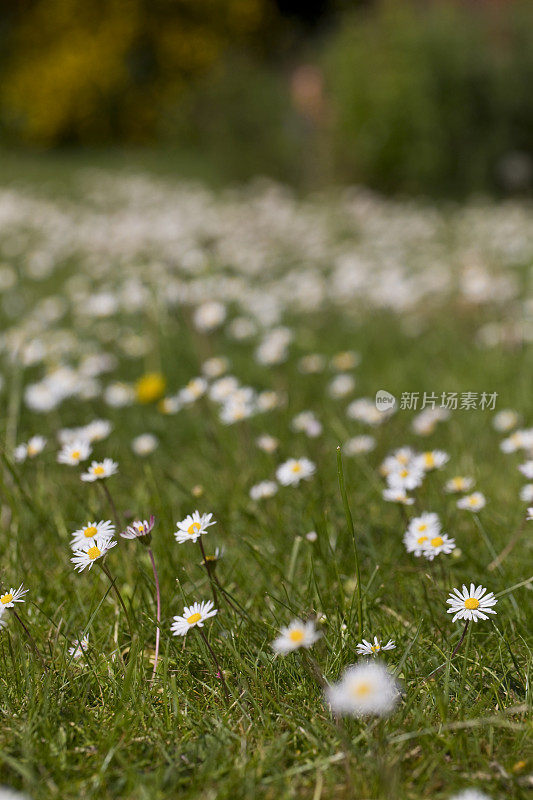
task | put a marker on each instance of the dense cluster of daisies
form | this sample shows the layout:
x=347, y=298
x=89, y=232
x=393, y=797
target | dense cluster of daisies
x=275, y=257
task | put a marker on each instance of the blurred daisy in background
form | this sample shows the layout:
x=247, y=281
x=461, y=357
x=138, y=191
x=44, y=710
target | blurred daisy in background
x=294, y=470
x=79, y=647
x=365, y=689
x=458, y=484
x=297, y=634
x=100, y=470
x=472, y=502
x=263, y=489
x=74, y=452
x=144, y=444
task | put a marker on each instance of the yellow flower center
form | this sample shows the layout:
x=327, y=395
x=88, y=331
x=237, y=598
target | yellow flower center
x=472, y=501
x=422, y=539
x=437, y=541
x=429, y=459
x=140, y=528
x=194, y=528
x=93, y=552
x=6, y=598
x=32, y=450
x=194, y=618
x=375, y=648
x=457, y=483
x=362, y=689
x=404, y=473
x=402, y=458
x=296, y=468
x=150, y=387
x=422, y=527
x=99, y=470
x=75, y=454
x=471, y=603
x=296, y=636
x=90, y=531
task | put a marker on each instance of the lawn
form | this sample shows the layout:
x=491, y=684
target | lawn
x=243, y=308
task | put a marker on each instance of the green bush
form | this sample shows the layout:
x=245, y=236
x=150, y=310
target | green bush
x=434, y=99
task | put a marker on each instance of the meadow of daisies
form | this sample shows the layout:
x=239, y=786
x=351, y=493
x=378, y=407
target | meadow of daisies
x=226, y=571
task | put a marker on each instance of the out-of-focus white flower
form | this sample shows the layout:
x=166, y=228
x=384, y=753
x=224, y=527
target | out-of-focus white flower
x=341, y=385
x=365, y=689
x=263, y=489
x=75, y=452
x=297, y=634
x=209, y=316
x=308, y=423
x=359, y=444
x=458, y=484
x=295, y=470
x=100, y=470
x=267, y=443
x=505, y=420
x=144, y=444
x=472, y=502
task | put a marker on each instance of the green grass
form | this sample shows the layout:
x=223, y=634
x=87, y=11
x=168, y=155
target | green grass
x=97, y=728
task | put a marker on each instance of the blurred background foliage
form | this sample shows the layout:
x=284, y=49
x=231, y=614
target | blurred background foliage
x=430, y=97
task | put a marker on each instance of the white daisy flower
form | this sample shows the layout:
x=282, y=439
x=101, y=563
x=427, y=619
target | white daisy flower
x=35, y=446
x=78, y=647
x=519, y=440
x=20, y=453
x=74, y=452
x=139, y=529
x=471, y=604
x=263, y=489
x=341, y=385
x=297, y=634
x=373, y=648
x=222, y=389
x=365, y=689
x=458, y=484
x=97, y=430
x=9, y=599
x=308, y=423
x=100, y=470
x=472, y=502
x=215, y=366
x=530, y=513
x=427, y=524
x=294, y=470
x=397, y=496
x=396, y=460
x=527, y=469
x=192, y=616
x=438, y=544
x=311, y=364
x=144, y=444
x=526, y=493
x=269, y=444
x=193, y=526
x=347, y=359
x=505, y=420
x=432, y=459
x=86, y=556
x=90, y=532
x=364, y=410
x=194, y=390
x=408, y=477
x=359, y=444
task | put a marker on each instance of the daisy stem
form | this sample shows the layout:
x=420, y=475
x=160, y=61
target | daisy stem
x=119, y=596
x=30, y=638
x=158, y=601
x=211, y=581
x=217, y=665
x=112, y=504
x=349, y=522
